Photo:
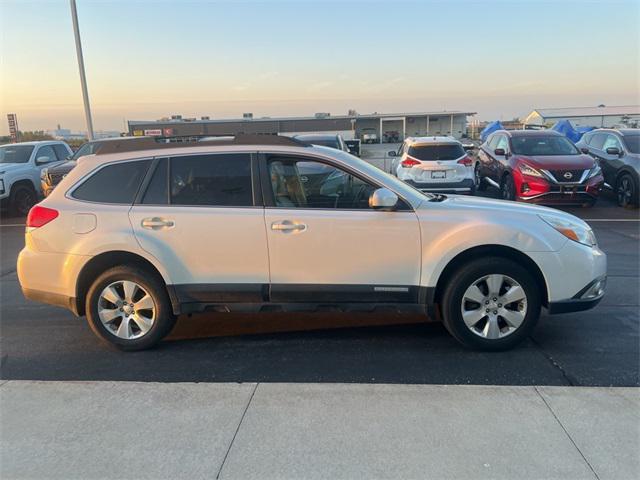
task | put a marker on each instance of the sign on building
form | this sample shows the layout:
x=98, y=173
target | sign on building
x=154, y=132
x=13, y=126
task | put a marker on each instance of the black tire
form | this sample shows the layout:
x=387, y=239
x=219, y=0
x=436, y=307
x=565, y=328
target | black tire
x=154, y=286
x=464, y=277
x=481, y=186
x=627, y=191
x=21, y=199
x=508, y=188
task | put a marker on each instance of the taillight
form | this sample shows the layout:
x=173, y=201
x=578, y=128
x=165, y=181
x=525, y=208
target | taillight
x=409, y=162
x=39, y=216
x=466, y=161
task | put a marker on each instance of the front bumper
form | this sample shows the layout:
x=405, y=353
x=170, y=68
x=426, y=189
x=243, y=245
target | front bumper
x=465, y=185
x=585, y=299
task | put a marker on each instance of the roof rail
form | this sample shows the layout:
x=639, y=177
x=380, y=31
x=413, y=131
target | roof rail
x=153, y=143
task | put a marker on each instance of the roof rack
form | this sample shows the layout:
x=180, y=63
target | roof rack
x=153, y=143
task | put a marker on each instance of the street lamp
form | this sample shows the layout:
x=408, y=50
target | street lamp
x=83, y=78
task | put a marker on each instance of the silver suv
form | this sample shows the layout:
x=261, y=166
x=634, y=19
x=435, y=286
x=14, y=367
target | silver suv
x=141, y=232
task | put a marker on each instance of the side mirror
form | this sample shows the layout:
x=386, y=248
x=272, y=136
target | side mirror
x=392, y=153
x=613, y=151
x=499, y=151
x=41, y=160
x=383, y=199
x=585, y=150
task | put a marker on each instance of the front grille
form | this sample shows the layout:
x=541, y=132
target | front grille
x=55, y=178
x=560, y=176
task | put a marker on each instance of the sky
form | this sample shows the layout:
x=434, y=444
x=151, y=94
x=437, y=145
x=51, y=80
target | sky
x=149, y=59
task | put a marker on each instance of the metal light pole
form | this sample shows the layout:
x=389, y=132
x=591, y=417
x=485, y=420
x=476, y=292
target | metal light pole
x=83, y=78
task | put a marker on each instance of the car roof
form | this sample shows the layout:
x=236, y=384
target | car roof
x=621, y=131
x=35, y=143
x=530, y=133
x=431, y=139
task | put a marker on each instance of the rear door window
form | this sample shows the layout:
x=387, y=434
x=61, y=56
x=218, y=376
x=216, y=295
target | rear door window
x=217, y=180
x=433, y=152
x=117, y=183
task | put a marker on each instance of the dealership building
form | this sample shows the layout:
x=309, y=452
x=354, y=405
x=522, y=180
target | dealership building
x=600, y=116
x=452, y=123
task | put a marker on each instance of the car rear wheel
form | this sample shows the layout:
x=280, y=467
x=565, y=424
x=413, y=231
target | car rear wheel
x=508, y=188
x=491, y=304
x=129, y=308
x=22, y=198
x=627, y=191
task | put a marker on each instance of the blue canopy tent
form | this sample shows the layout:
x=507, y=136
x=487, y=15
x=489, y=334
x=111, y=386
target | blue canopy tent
x=574, y=134
x=489, y=129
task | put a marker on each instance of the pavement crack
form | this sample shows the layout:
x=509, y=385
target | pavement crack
x=566, y=432
x=237, y=430
x=572, y=382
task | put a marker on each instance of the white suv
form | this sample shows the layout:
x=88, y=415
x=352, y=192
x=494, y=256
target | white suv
x=21, y=165
x=434, y=164
x=141, y=232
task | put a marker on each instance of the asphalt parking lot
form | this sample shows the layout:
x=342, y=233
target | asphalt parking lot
x=600, y=347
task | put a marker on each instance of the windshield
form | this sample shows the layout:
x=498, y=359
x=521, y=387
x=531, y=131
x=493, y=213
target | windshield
x=86, y=149
x=633, y=143
x=325, y=142
x=543, y=145
x=15, y=153
x=432, y=152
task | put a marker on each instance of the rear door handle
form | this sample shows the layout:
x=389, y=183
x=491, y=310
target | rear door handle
x=157, y=223
x=288, y=226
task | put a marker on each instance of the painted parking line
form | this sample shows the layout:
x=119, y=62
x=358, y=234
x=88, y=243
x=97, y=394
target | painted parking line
x=12, y=225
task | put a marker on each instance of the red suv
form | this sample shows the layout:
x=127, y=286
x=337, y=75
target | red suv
x=538, y=166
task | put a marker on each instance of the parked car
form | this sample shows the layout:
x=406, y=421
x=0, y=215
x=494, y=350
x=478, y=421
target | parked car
x=434, y=164
x=142, y=232
x=618, y=153
x=324, y=139
x=538, y=166
x=20, y=167
x=369, y=135
x=51, y=176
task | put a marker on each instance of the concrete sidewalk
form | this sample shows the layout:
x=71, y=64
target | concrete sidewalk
x=185, y=430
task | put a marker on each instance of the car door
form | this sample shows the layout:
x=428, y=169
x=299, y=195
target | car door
x=596, y=144
x=198, y=216
x=486, y=157
x=327, y=245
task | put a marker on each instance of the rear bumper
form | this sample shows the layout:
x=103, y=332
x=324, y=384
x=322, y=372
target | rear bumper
x=51, y=298
x=465, y=185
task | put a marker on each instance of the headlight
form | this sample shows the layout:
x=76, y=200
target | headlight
x=43, y=174
x=596, y=170
x=572, y=230
x=530, y=171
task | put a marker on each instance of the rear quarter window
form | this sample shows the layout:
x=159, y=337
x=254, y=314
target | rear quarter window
x=116, y=183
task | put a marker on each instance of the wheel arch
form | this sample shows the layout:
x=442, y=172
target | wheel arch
x=494, y=251
x=103, y=261
x=27, y=182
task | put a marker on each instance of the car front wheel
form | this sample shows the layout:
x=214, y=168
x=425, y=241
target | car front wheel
x=491, y=304
x=129, y=308
x=480, y=185
x=508, y=188
x=626, y=191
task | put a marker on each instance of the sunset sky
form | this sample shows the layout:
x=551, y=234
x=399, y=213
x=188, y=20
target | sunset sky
x=149, y=59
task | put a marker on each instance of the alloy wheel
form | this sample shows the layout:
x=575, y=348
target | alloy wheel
x=625, y=191
x=126, y=309
x=494, y=306
x=24, y=200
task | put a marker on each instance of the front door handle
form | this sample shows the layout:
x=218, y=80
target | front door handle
x=157, y=223
x=288, y=226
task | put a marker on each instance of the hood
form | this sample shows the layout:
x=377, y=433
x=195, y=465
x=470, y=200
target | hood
x=559, y=162
x=63, y=168
x=7, y=167
x=492, y=207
